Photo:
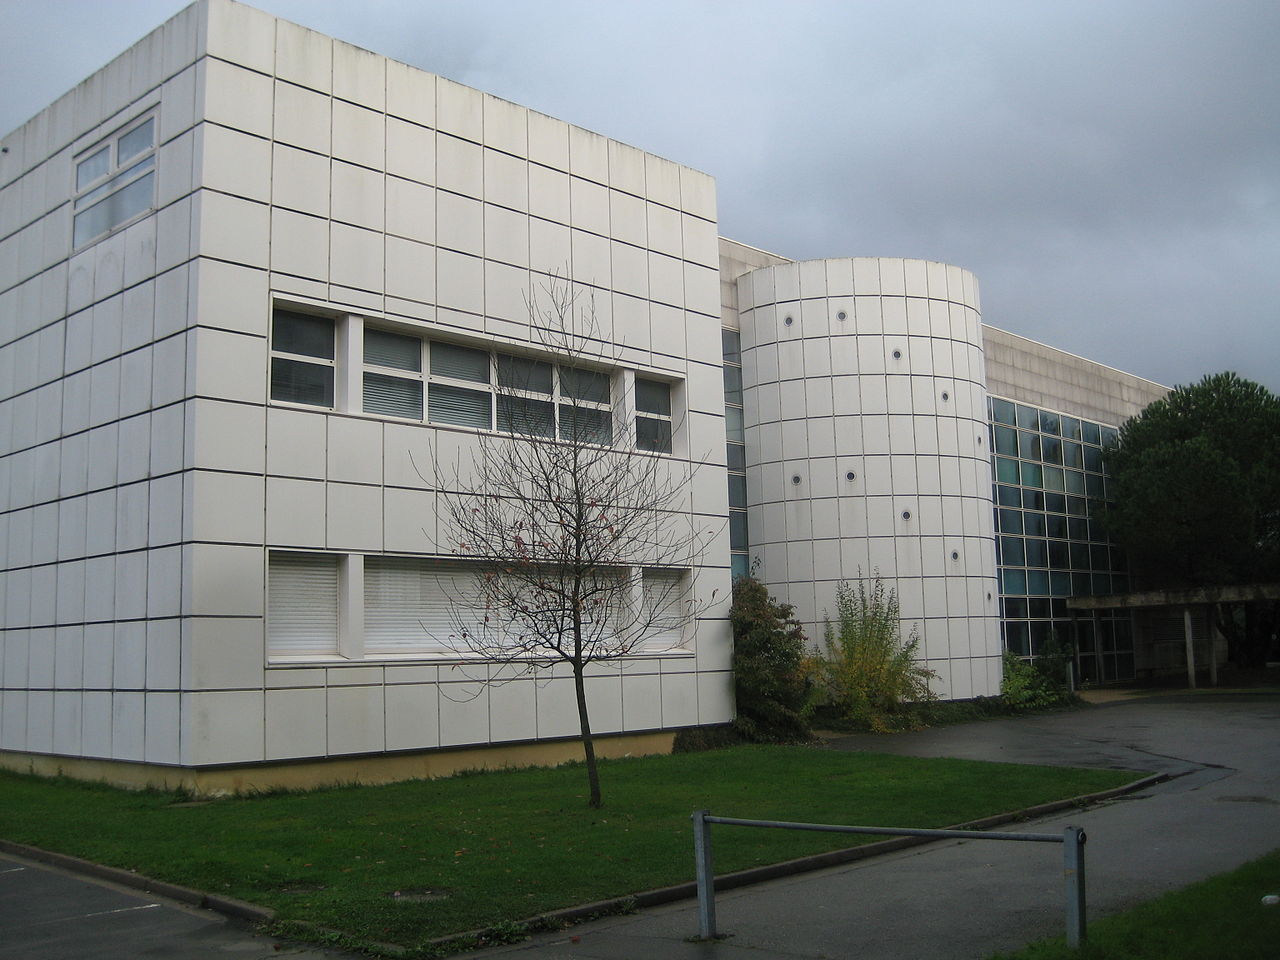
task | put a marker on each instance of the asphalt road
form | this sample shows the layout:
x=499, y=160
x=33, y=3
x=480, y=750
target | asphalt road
x=50, y=914
x=949, y=900
x=965, y=900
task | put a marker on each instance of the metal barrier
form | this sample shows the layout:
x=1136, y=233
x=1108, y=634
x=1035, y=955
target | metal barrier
x=1072, y=840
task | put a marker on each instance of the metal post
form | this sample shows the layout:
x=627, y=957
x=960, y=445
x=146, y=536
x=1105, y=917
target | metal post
x=1191, y=647
x=1073, y=839
x=706, y=875
x=1214, y=634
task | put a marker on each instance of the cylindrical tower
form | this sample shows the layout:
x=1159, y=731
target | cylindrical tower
x=866, y=429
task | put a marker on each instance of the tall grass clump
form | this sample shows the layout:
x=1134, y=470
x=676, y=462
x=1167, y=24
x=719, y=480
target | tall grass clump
x=867, y=675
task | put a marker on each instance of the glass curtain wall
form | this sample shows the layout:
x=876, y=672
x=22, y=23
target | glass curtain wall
x=1050, y=487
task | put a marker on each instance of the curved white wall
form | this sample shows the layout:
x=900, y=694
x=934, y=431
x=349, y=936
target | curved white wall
x=866, y=429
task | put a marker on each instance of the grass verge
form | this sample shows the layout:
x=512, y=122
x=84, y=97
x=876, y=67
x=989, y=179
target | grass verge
x=1223, y=916
x=407, y=862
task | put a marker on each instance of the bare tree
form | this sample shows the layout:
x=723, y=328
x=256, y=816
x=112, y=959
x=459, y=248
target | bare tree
x=579, y=520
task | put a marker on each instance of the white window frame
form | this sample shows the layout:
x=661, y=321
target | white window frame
x=116, y=176
x=418, y=376
x=667, y=641
x=303, y=622
x=319, y=608
x=459, y=383
x=331, y=363
x=656, y=417
x=618, y=414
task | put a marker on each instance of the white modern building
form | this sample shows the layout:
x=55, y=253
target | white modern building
x=255, y=282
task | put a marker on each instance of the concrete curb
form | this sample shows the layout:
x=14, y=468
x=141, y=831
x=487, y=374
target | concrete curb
x=773, y=871
x=228, y=906
x=240, y=910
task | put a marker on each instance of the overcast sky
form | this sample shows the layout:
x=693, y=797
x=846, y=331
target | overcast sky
x=1110, y=170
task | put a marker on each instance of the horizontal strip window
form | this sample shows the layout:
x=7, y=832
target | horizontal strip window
x=426, y=607
x=410, y=378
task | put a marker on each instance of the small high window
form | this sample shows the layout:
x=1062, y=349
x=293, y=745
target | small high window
x=115, y=182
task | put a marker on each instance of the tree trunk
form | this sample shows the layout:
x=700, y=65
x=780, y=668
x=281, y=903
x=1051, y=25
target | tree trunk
x=588, y=744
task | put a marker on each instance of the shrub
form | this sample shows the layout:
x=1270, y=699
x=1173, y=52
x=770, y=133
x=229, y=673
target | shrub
x=770, y=680
x=1045, y=682
x=868, y=675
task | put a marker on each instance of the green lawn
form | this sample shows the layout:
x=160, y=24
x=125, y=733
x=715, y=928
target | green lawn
x=480, y=849
x=1220, y=917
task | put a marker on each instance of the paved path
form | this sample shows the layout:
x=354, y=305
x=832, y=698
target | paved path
x=967, y=899
x=48, y=914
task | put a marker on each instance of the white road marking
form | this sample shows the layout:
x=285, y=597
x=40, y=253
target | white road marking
x=100, y=913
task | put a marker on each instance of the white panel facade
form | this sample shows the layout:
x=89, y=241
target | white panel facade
x=146, y=474
x=866, y=449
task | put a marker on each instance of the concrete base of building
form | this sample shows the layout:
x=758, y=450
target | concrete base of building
x=332, y=771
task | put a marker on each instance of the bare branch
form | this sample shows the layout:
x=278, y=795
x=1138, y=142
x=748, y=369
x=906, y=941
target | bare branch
x=582, y=543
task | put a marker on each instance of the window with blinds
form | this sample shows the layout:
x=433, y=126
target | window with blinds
x=392, y=374
x=525, y=400
x=302, y=358
x=452, y=399
x=302, y=604
x=408, y=377
x=653, y=415
x=664, y=607
x=411, y=605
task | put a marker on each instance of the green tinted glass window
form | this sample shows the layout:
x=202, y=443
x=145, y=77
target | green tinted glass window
x=1037, y=552
x=1014, y=582
x=1011, y=552
x=1028, y=445
x=1006, y=441
x=1008, y=496
x=1002, y=411
x=731, y=346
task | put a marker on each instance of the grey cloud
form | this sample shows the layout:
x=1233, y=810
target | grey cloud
x=1110, y=170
